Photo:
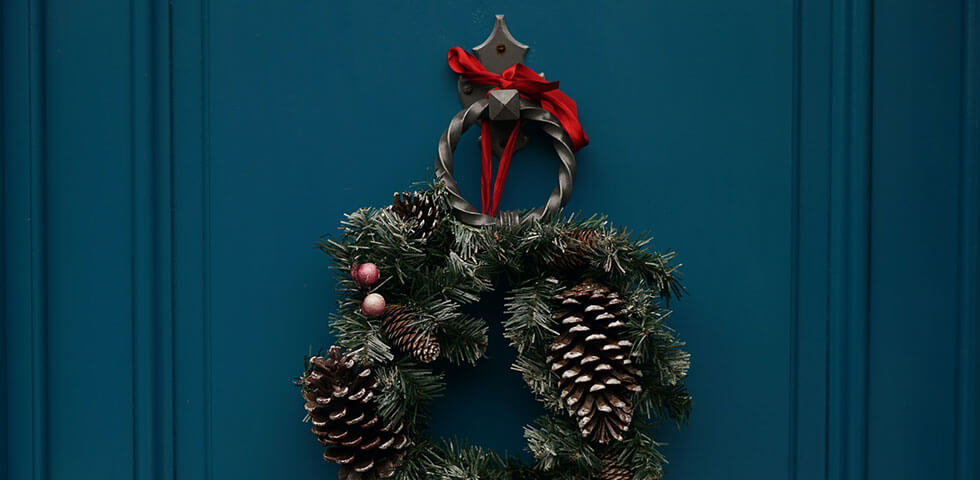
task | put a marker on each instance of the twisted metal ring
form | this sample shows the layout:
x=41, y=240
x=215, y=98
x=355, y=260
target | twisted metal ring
x=465, y=211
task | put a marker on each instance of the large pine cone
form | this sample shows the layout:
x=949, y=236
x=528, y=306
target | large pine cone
x=613, y=470
x=339, y=399
x=399, y=325
x=419, y=209
x=577, y=246
x=592, y=359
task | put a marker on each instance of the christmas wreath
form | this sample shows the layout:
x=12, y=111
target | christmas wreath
x=586, y=311
x=587, y=314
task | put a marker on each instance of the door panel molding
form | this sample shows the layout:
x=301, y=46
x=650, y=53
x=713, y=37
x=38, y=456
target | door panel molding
x=811, y=241
x=190, y=110
x=24, y=292
x=968, y=361
x=152, y=263
x=849, y=237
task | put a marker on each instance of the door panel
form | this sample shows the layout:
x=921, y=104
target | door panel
x=915, y=132
x=167, y=168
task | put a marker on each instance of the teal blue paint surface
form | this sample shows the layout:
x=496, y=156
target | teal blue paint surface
x=166, y=170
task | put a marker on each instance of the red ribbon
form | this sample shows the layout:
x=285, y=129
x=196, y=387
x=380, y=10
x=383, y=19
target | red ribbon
x=531, y=86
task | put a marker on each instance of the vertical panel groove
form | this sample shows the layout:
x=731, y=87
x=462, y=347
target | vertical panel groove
x=794, y=349
x=138, y=191
x=191, y=257
x=4, y=232
x=969, y=245
x=811, y=320
x=163, y=259
x=858, y=347
x=150, y=237
x=38, y=243
x=206, y=229
x=172, y=227
x=849, y=239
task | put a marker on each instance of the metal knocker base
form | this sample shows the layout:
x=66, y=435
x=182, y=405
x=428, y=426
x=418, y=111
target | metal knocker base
x=529, y=112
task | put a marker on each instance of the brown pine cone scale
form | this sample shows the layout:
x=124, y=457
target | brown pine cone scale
x=592, y=360
x=339, y=398
x=399, y=324
x=613, y=470
x=418, y=208
x=578, y=243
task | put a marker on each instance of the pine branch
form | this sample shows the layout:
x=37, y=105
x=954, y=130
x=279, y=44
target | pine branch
x=557, y=445
x=529, y=317
x=464, y=462
x=536, y=372
x=639, y=452
x=418, y=462
x=658, y=401
x=464, y=340
x=405, y=391
x=361, y=335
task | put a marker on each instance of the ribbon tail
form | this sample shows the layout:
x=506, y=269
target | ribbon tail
x=505, y=157
x=566, y=111
x=485, y=172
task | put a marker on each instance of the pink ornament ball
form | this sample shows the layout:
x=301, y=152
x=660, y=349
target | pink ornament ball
x=367, y=275
x=373, y=305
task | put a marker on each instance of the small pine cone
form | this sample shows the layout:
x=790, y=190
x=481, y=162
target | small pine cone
x=613, y=470
x=419, y=209
x=399, y=325
x=339, y=400
x=578, y=242
x=592, y=360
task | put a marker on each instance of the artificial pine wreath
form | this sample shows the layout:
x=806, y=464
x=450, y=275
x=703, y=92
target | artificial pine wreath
x=586, y=314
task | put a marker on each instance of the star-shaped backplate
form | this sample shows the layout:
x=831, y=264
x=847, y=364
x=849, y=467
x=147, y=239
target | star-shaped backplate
x=499, y=51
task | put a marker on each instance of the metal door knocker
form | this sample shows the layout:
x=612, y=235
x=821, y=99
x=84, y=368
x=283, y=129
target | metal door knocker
x=496, y=88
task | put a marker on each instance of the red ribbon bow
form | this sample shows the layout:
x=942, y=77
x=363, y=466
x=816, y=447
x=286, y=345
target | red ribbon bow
x=531, y=86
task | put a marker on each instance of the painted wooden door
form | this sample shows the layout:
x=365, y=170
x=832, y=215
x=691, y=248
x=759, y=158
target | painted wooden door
x=167, y=167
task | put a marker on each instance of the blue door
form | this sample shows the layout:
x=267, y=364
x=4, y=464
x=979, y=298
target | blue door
x=167, y=167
